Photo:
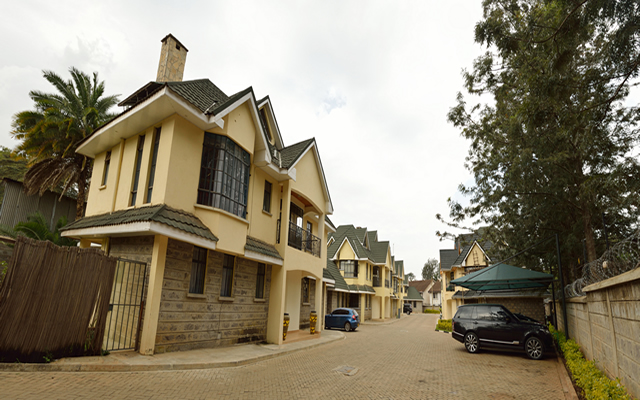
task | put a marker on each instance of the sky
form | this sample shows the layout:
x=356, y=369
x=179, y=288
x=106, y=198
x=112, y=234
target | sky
x=371, y=81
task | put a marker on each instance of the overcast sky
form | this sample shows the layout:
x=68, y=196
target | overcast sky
x=371, y=81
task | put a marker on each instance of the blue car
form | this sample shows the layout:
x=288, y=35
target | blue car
x=346, y=318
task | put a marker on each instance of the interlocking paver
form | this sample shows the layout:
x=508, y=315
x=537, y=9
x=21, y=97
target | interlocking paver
x=404, y=360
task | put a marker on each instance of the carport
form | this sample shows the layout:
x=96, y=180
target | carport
x=519, y=289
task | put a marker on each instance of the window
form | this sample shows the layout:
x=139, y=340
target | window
x=265, y=125
x=305, y=290
x=198, y=270
x=152, y=168
x=224, y=175
x=105, y=173
x=260, y=281
x=350, y=268
x=136, y=172
x=226, y=288
x=266, y=202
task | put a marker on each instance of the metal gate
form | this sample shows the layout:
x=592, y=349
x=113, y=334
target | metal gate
x=124, y=319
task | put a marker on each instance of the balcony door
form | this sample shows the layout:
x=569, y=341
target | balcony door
x=295, y=227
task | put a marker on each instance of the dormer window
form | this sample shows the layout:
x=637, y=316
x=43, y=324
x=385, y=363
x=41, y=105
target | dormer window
x=224, y=175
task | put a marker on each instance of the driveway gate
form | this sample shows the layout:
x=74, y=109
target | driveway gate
x=126, y=307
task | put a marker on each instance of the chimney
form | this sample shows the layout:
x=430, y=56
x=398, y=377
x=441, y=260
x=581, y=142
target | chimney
x=173, y=56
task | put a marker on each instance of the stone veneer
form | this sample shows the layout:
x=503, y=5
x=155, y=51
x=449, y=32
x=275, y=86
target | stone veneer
x=306, y=308
x=190, y=322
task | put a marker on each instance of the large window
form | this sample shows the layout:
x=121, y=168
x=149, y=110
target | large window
x=260, y=281
x=224, y=175
x=136, y=172
x=198, y=270
x=152, y=168
x=350, y=268
x=226, y=288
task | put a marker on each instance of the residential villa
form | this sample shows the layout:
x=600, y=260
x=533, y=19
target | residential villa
x=470, y=255
x=363, y=273
x=231, y=223
x=429, y=291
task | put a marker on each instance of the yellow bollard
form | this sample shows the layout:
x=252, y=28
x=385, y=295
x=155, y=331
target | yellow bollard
x=285, y=326
x=313, y=319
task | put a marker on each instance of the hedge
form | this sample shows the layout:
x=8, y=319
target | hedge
x=594, y=383
x=444, y=325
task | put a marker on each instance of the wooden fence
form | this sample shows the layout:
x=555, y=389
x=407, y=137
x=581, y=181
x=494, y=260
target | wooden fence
x=54, y=302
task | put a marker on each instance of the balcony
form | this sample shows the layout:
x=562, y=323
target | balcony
x=377, y=282
x=301, y=239
x=451, y=288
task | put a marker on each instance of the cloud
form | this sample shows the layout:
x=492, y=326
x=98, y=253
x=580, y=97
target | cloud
x=332, y=100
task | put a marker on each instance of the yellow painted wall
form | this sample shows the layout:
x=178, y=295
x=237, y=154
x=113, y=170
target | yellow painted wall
x=100, y=198
x=241, y=129
x=346, y=252
x=308, y=181
x=476, y=257
x=263, y=224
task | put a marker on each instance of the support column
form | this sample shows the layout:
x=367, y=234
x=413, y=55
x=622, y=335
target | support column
x=85, y=243
x=276, y=304
x=154, y=295
x=319, y=302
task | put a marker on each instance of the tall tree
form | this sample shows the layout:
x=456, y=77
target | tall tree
x=410, y=276
x=11, y=166
x=51, y=132
x=554, y=150
x=430, y=270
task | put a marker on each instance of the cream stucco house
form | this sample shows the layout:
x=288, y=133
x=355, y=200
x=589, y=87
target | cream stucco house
x=373, y=280
x=230, y=221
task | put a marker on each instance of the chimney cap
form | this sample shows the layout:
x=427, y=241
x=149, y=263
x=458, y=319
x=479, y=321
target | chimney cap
x=164, y=39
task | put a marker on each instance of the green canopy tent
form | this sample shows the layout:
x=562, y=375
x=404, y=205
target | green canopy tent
x=504, y=277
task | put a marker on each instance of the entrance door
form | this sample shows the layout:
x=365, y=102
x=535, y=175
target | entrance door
x=125, y=307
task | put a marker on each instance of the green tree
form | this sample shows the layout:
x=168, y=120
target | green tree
x=554, y=150
x=36, y=227
x=410, y=276
x=11, y=166
x=51, y=133
x=430, y=270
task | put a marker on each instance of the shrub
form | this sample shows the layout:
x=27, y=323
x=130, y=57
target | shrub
x=594, y=383
x=429, y=311
x=444, y=325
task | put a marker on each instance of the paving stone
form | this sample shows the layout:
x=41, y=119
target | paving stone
x=403, y=360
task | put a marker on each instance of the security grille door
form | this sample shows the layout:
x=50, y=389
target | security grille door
x=126, y=307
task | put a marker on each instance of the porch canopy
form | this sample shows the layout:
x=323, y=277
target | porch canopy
x=503, y=277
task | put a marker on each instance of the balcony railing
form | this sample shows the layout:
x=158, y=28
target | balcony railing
x=301, y=239
x=451, y=288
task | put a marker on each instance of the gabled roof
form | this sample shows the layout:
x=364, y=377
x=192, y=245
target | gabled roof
x=465, y=253
x=289, y=155
x=346, y=233
x=413, y=294
x=447, y=259
x=333, y=271
x=379, y=252
x=330, y=224
x=436, y=288
x=161, y=213
x=421, y=286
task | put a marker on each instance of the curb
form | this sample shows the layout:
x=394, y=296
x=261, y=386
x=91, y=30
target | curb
x=79, y=367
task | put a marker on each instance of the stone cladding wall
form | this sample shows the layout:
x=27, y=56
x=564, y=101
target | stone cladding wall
x=190, y=322
x=306, y=308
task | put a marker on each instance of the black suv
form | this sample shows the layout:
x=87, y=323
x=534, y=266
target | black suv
x=407, y=308
x=492, y=325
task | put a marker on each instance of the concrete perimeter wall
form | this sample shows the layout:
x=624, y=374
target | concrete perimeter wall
x=605, y=323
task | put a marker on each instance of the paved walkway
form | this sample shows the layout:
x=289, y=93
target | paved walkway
x=402, y=360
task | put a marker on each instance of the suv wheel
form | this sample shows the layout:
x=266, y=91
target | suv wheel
x=347, y=327
x=471, y=342
x=533, y=347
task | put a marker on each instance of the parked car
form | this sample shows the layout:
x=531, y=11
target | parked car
x=480, y=326
x=407, y=308
x=346, y=318
x=523, y=317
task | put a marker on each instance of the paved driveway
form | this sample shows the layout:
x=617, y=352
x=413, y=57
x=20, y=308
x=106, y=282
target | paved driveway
x=403, y=360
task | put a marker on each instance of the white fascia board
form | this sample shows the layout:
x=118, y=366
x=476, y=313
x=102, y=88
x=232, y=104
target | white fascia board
x=278, y=138
x=325, y=188
x=333, y=258
x=277, y=173
x=159, y=106
x=341, y=290
x=328, y=281
x=256, y=120
x=138, y=229
x=252, y=255
x=330, y=228
x=475, y=242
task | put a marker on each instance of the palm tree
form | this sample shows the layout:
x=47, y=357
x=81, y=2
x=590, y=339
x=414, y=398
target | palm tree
x=36, y=227
x=50, y=134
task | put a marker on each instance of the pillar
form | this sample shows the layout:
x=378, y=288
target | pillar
x=276, y=304
x=154, y=295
